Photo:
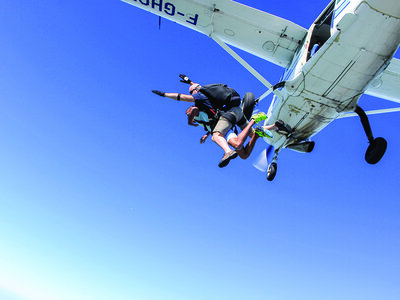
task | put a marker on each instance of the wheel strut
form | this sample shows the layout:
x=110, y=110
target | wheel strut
x=377, y=147
x=365, y=123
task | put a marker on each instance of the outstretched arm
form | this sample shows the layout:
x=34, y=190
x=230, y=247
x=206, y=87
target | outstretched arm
x=175, y=96
x=180, y=97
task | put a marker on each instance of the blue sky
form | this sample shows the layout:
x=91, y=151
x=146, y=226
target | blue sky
x=106, y=192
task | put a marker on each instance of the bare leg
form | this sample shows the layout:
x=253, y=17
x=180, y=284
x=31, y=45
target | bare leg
x=246, y=151
x=238, y=142
x=220, y=140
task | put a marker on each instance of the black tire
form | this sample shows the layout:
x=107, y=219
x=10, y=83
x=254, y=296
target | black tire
x=311, y=146
x=248, y=104
x=271, y=172
x=376, y=150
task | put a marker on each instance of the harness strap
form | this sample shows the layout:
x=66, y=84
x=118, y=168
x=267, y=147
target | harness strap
x=205, y=124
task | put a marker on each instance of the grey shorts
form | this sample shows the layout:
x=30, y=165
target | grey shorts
x=224, y=123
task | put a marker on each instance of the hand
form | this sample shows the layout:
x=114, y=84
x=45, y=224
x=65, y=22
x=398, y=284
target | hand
x=203, y=138
x=185, y=79
x=162, y=94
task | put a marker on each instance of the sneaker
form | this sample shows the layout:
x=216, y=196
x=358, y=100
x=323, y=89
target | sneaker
x=262, y=132
x=227, y=158
x=261, y=116
x=282, y=126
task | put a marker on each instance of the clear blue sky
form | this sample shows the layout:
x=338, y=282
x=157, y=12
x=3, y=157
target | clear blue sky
x=106, y=193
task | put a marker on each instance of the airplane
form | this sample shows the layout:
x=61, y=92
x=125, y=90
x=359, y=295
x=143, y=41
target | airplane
x=347, y=52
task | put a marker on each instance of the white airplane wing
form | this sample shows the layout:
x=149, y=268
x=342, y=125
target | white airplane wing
x=387, y=84
x=254, y=31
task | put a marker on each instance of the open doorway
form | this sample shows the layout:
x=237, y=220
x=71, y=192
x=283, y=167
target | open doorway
x=321, y=31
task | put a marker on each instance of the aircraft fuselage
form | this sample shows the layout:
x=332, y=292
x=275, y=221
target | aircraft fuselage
x=358, y=39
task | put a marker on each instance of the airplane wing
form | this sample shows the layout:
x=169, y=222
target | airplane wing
x=254, y=31
x=387, y=84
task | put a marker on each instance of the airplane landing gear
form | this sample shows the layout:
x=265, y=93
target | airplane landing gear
x=271, y=172
x=377, y=147
x=272, y=167
x=375, y=150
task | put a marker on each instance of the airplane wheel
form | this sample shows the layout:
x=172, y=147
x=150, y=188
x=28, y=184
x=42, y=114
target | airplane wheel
x=376, y=150
x=271, y=172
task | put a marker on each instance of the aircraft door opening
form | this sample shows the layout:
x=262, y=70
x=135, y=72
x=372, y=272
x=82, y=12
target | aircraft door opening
x=321, y=30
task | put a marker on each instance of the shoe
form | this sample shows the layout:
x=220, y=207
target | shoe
x=282, y=126
x=261, y=116
x=262, y=132
x=227, y=158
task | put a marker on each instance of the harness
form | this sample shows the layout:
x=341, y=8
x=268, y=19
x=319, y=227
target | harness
x=221, y=96
x=213, y=116
x=221, y=99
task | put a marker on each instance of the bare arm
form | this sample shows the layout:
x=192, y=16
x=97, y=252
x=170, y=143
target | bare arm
x=204, y=137
x=194, y=112
x=175, y=96
x=182, y=97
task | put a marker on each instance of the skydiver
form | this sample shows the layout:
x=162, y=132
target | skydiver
x=197, y=117
x=229, y=116
x=236, y=141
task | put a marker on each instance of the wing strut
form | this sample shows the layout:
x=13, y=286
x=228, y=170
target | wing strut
x=371, y=112
x=248, y=67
